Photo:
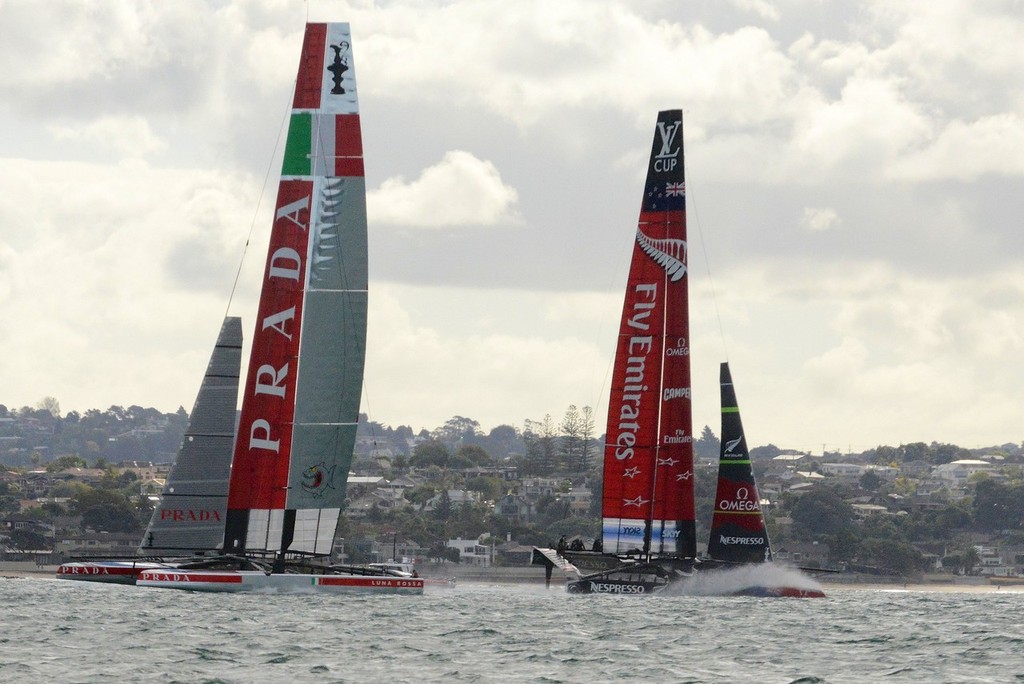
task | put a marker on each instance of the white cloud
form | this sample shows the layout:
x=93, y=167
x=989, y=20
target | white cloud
x=819, y=219
x=965, y=151
x=444, y=370
x=900, y=326
x=529, y=60
x=118, y=278
x=762, y=8
x=892, y=354
x=457, y=191
x=129, y=136
x=871, y=124
x=80, y=41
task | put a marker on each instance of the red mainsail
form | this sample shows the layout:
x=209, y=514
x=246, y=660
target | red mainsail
x=648, y=463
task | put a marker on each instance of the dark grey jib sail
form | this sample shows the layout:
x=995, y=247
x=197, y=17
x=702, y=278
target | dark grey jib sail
x=738, y=532
x=193, y=506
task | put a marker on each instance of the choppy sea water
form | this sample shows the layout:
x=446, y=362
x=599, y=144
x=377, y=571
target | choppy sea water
x=61, y=631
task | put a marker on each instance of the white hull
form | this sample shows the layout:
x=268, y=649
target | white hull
x=260, y=582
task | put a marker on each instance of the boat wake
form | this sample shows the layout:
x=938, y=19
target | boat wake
x=763, y=579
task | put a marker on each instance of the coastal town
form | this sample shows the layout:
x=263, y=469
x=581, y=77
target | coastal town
x=460, y=502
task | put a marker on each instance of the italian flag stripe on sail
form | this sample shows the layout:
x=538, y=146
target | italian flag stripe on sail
x=331, y=139
x=298, y=150
x=324, y=135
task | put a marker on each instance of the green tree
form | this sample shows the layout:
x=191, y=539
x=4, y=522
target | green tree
x=896, y=556
x=820, y=513
x=430, y=453
x=884, y=455
x=50, y=405
x=947, y=453
x=443, y=508
x=707, y=446
x=504, y=440
x=870, y=481
x=456, y=430
x=547, y=441
x=570, y=443
x=65, y=462
x=586, y=439
x=27, y=540
x=915, y=451
x=470, y=455
x=111, y=518
x=490, y=488
x=971, y=558
x=420, y=494
x=86, y=497
x=997, y=506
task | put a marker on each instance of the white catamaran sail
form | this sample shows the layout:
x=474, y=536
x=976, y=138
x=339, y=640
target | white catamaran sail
x=300, y=405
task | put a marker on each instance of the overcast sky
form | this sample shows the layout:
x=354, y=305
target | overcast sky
x=854, y=187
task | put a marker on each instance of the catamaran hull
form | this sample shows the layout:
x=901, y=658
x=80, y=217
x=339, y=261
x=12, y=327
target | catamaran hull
x=110, y=572
x=780, y=592
x=588, y=586
x=599, y=586
x=633, y=579
x=260, y=582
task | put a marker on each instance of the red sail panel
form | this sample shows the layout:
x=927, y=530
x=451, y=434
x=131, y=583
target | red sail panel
x=348, y=138
x=259, y=477
x=308, y=84
x=674, y=481
x=632, y=430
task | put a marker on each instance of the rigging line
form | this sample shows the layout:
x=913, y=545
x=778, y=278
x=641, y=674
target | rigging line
x=608, y=309
x=369, y=421
x=692, y=202
x=263, y=190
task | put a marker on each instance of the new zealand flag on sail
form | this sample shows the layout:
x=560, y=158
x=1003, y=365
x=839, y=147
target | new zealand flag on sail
x=665, y=189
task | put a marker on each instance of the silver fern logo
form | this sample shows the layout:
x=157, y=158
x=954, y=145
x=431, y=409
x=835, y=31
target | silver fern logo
x=670, y=254
x=729, y=446
x=326, y=242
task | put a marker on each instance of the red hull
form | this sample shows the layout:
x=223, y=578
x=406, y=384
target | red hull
x=111, y=572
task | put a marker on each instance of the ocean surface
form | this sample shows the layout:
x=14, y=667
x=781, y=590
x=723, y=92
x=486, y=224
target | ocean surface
x=62, y=631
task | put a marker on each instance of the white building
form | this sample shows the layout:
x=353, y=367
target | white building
x=847, y=472
x=958, y=472
x=472, y=552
